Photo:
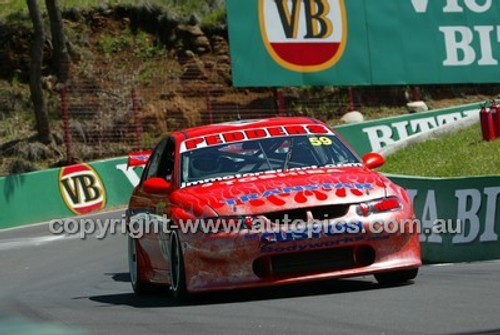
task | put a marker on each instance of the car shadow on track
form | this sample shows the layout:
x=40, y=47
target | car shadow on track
x=120, y=277
x=161, y=298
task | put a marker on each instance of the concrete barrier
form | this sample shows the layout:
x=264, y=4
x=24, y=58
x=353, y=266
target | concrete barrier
x=432, y=134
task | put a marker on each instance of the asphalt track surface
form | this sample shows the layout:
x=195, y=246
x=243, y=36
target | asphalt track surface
x=83, y=285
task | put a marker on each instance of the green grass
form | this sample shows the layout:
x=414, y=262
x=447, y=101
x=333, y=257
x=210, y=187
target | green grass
x=461, y=154
x=11, y=7
x=182, y=7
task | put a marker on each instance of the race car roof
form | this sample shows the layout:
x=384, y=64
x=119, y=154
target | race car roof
x=246, y=124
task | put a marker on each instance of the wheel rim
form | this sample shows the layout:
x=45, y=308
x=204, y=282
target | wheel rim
x=132, y=261
x=175, y=263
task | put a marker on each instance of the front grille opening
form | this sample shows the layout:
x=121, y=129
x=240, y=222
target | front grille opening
x=319, y=213
x=292, y=215
x=329, y=212
x=313, y=262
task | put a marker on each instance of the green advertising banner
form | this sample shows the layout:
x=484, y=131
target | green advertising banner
x=459, y=217
x=364, y=42
x=58, y=193
x=29, y=198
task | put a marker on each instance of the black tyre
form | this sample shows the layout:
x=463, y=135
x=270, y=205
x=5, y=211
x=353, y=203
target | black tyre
x=139, y=287
x=177, y=272
x=396, y=277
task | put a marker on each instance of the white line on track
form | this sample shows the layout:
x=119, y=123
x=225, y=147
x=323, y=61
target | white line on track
x=19, y=243
x=444, y=265
x=47, y=222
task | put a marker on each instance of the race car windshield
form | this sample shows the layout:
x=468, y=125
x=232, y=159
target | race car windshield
x=263, y=155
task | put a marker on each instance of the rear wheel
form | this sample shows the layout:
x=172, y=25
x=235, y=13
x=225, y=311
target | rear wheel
x=177, y=272
x=396, y=277
x=139, y=287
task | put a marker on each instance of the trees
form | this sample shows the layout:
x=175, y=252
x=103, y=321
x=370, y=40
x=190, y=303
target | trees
x=60, y=58
x=35, y=81
x=60, y=61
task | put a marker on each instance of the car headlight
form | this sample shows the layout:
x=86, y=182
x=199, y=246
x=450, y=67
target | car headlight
x=379, y=206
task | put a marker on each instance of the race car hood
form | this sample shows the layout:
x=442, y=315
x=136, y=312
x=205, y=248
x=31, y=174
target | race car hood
x=272, y=192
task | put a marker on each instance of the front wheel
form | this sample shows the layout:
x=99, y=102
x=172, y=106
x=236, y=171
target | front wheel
x=139, y=287
x=177, y=272
x=396, y=277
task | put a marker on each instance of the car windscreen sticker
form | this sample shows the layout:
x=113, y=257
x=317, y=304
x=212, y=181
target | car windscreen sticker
x=254, y=134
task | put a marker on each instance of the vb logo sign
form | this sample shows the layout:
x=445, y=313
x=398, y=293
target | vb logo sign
x=304, y=35
x=82, y=189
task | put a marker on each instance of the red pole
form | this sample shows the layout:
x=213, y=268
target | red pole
x=351, y=99
x=137, y=119
x=209, y=108
x=280, y=102
x=65, y=117
x=417, y=94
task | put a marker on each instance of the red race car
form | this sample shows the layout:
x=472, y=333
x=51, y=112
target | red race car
x=263, y=203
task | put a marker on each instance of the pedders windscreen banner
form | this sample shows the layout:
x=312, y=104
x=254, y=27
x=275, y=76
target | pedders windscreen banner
x=363, y=42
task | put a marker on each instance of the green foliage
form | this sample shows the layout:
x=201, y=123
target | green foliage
x=214, y=18
x=146, y=74
x=143, y=45
x=11, y=7
x=19, y=165
x=213, y=9
x=461, y=154
x=111, y=44
x=146, y=48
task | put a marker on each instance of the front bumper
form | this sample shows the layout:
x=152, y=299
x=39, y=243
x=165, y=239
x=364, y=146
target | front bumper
x=242, y=260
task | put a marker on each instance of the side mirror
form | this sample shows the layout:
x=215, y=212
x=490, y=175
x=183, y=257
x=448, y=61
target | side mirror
x=156, y=186
x=373, y=160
